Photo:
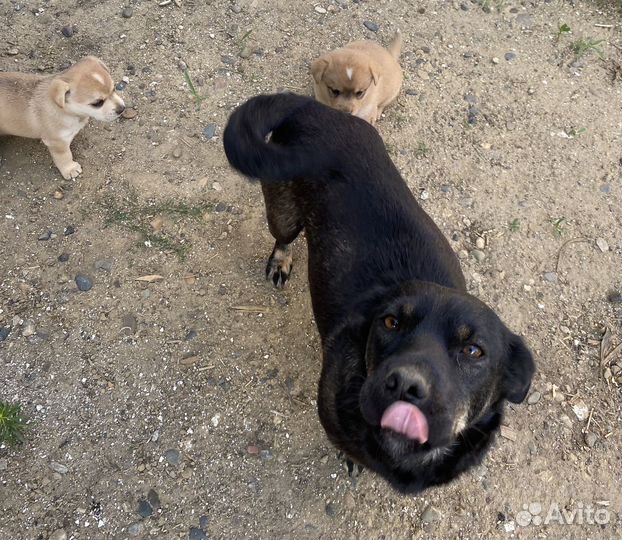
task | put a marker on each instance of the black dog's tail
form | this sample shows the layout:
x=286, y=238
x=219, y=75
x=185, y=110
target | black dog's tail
x=294, y=152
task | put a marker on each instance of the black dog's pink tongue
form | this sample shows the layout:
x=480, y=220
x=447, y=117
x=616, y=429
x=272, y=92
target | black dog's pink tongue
x=406, y=419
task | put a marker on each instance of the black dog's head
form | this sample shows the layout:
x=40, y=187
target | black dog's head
x=418, y=391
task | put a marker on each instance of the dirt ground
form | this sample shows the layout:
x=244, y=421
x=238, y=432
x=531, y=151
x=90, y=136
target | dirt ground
x=185, y=407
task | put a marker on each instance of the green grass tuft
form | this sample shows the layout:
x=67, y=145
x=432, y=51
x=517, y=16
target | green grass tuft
x=12, y=424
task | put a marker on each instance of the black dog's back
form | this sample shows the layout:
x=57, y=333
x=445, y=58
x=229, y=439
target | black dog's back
x=347, y=187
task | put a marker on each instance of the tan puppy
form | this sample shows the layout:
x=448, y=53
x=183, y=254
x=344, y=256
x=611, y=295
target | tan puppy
x=362, y=78
x=55, y=108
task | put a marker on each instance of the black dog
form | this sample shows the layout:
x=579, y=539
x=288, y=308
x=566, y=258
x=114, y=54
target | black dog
x=415, y=369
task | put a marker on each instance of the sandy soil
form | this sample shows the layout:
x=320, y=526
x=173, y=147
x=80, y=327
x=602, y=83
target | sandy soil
x=185, y=407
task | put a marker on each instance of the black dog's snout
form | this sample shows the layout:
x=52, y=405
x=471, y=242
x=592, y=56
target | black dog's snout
x=406, y=385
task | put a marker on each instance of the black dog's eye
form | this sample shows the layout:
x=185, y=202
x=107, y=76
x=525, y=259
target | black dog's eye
x=391, y=322
x=472, y=351
x=97, y=104
x=360, y=94
x=334, y=92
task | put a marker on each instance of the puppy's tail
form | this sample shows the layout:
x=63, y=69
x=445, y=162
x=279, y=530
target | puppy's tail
x=247, y=148
x=395, y=47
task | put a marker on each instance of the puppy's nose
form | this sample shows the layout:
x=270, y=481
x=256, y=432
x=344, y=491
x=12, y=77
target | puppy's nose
x=119, y=109
x=407, y=385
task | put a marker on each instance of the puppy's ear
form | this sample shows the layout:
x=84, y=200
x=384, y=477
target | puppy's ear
x=374, y=73
x=519, y=370
x=58, y=91
x=318, y=67
x=95, y=59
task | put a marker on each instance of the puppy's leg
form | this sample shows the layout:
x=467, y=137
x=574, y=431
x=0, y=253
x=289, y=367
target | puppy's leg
x=284, y=222
x=63, y=159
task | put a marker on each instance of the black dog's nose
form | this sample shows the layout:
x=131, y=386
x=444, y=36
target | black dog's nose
x=406, y=385
x=120, y=109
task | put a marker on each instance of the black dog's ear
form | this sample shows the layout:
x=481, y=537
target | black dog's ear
x=519, y=370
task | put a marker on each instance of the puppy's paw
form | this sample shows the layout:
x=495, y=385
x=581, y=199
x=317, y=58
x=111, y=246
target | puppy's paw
x=279, y=266
x=71, y=171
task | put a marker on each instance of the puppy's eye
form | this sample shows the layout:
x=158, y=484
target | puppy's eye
x=391, y=322
x=97, y=104
x=360, y=94
x=334, y=92
x=472, y=351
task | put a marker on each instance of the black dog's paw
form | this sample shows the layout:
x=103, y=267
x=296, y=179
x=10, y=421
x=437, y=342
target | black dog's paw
x=279, y=266
x=354, y=469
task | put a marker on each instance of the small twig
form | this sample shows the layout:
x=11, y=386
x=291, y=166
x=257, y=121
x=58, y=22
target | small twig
x=566, y=243
x=252, y=309
x=589, y=421
x=567, y=347
x=615, y=350
x=599, y=25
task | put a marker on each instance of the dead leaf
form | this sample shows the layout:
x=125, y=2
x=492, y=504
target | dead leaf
x=150, y=278
x=190, y=279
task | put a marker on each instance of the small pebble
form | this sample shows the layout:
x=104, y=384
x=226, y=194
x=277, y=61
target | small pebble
x=58, y=467
x=551, y=277
x=58, y=534
x=4, y=332
x=120, y=86
x=196, y=534
x=129, y=113
x=220, y=207
x=203, y=522
x=602, y=244
x=135, y=529
x=69, y=230
x=614, y=297
x=424, y=195
x=177, y=152
x=154, y=499
x=411, y=92
x=320, y=10
x=209, y=131
x=236, y=8
x=371, y=26
x=63, y=257
x=478, y=255
x=266, y=455
x=103, y=264
x=480, y=243
x=463, y=254
x=13, y=51
x=510, y=56
x=330, y=510
x=581, y=410
x=67, y=31
x=495, y=60
x=144, y=508
x=58, y=195
x=173, y=456
x=534, y=398
x=127, y=12
x=45, y=236
x=430, y=514
x=190, y=335
x=83, y=282
x=28, y=328
x=590, y=439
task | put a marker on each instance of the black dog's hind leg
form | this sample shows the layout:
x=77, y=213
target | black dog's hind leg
x=285, y=222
